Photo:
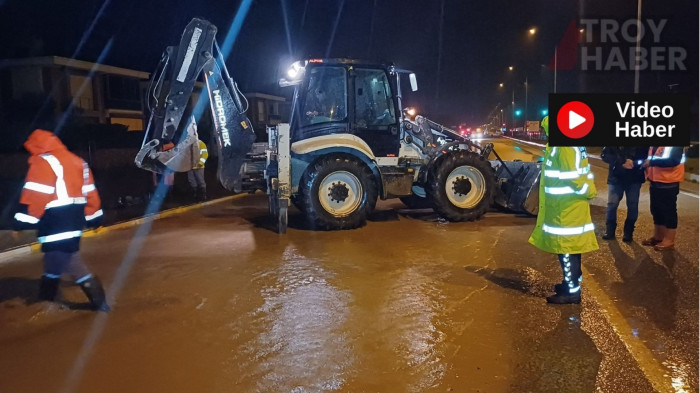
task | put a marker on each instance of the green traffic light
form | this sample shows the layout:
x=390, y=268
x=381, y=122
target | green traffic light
x=545, y=112
x=518, y=112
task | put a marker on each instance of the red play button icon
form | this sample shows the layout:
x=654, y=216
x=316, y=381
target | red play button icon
x=575, y=119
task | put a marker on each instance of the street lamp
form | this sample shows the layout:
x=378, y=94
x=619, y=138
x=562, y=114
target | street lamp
x=500, y=85
x=532, y=30
x=510, y=68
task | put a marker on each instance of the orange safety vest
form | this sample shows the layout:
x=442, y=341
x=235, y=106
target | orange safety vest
x=674, y=174
x=59, y=195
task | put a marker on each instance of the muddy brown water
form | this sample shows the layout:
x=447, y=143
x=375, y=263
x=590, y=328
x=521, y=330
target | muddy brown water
x=214, y=301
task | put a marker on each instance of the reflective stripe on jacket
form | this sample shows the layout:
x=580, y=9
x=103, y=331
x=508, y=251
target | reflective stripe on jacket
x=59, y=194
x=666, y=164
x=203, y=155
x=564, y=220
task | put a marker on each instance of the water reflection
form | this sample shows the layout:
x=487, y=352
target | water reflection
x=300, y=345
x=679, y=376
x=415, y=305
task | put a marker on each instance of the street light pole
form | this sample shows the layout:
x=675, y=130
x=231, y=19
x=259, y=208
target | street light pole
x=512, y=103
x=525, y=97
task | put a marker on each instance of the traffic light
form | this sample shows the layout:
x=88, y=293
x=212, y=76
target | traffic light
x=518, y=112
x=544, y=112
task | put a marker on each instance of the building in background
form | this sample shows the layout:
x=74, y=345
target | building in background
x=100, y=93
x=103, y=94
x=266, y=110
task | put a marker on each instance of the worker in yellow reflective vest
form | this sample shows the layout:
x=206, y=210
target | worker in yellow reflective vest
x=196, y=175
x=564, y=224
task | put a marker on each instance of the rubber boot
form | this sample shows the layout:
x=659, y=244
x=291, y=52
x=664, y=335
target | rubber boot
x=669, y=241
x=565, y=298
x=571, y=269
x=627, y=232
x=48, y=288
x=659, y=232
x=95, y=293
x=563, y=287
x=610, y=231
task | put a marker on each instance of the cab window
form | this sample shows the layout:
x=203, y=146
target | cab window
x=374, y=105
x=325, y=96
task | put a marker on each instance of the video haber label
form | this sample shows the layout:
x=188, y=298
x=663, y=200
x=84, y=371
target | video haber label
x=630, y=128
x=620, y=120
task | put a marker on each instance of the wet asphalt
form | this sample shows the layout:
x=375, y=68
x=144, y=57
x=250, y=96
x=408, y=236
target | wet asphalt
x=214, y=301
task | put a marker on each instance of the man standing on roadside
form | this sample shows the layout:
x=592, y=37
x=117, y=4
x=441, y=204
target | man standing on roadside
x=59, y=199
x=625, y=178
x=564, y=224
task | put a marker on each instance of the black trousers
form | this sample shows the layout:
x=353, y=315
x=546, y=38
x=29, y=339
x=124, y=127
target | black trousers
x=57, y=263
x=571, y=269
x=663, y=205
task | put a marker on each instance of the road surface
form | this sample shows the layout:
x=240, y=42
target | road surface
x=213, y=300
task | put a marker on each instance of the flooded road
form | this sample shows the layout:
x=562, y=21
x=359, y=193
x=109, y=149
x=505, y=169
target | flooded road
x=214, y=301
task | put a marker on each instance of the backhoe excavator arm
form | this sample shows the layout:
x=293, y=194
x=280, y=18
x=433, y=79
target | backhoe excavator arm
x=168, y=143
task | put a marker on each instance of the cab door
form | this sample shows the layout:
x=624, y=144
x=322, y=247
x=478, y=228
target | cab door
x=375, y=117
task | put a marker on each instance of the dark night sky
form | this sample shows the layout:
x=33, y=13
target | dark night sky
x=480, y=39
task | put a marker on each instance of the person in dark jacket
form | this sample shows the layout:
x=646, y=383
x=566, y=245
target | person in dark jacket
x=59, y=199
x=625, y=178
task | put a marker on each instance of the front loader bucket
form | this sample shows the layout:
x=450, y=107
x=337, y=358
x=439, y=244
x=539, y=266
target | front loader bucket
x=518, y=185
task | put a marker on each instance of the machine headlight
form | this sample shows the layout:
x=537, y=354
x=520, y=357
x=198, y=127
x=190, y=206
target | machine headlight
x=294, y=74
x=295, y=70
x=410, y=112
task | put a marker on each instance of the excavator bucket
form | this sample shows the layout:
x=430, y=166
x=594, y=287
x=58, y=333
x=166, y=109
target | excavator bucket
x=180, y=158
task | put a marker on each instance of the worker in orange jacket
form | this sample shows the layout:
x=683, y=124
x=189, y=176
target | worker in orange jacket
x=59, y=199
x=665, y=171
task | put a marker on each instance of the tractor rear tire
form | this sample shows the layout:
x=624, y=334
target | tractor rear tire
x=338, y=192
x=461, y=186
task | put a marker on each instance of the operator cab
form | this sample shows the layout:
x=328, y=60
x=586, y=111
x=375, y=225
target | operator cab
x=343, y=96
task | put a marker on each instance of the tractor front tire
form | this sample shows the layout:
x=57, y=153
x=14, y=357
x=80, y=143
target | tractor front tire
x=338, y=192
x=461, y=186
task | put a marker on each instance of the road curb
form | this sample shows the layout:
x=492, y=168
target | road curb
x=8, y=255
x=654, y=371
